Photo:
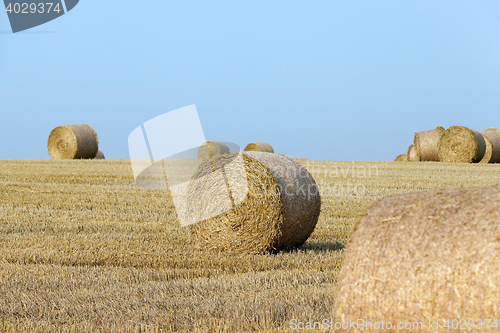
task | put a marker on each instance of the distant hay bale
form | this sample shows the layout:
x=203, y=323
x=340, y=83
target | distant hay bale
x=99, y=155
x=260, y=146
x=401, y=158
x=489, y=150
x=72, y=142
x=280, y=209
x=411, y=154
x=424, y=256
x=211, y=149
x=461, y=144
x=493, y=136
x=426, y=144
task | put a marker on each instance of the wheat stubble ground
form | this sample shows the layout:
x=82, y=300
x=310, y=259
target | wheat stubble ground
x=83, y=249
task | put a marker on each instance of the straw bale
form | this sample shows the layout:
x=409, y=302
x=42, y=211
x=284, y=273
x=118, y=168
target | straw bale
x=461, y=144
x=279, y=211
x=412, y=154
x=426, y=144
x=72, y=142
x=493, y=136
x=489, y=150
x=211, y=149
x=422, y=257
x=260, y=146
x=99, y=156
x=401, y=158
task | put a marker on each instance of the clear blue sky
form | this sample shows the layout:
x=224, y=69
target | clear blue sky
x=327, y=80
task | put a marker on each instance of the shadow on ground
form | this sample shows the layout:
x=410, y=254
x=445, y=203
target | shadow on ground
x=318, y=246
x=323, y=246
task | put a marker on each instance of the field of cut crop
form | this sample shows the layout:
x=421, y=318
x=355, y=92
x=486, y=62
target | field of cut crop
x=83, y=249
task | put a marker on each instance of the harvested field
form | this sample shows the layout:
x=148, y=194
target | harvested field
x=82, y=248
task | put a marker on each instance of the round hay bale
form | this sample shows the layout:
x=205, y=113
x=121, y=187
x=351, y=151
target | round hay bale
x=72, y=142
x=211, y=149
x=488, y=152
x=260, y=146
x=422, y=257
x=99, y=155
x=279, y=211
x=493, y=136
x=411, y=154
x=461, y=144
x=426, y=144
x=401, y=158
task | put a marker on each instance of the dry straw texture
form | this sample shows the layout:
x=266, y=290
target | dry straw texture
x=401, y=158
x=461, y=144
x=426, y=144
x=72, y=142
x=280, y=210
x=424, y=256
x=260, y=146
x=493, y=136
x=412, y=154
x=99, y=155
x=211, y=149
